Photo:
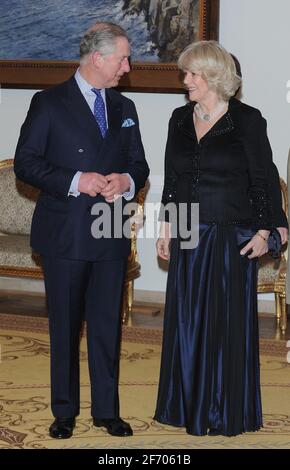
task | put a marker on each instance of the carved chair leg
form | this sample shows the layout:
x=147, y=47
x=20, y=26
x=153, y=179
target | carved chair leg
x=283, y=313
x=278, y=308
x=125, y=309
x=127, y=304
x=130, y=303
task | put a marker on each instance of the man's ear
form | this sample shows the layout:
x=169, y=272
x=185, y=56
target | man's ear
x=97, y=59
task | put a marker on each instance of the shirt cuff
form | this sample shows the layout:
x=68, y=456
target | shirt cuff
x=128, y=195
x=73, y=190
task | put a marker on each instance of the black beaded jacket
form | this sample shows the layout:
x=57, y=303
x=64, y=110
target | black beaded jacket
x=230, y=172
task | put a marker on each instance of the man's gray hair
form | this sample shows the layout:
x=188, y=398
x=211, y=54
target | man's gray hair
x=102, y=38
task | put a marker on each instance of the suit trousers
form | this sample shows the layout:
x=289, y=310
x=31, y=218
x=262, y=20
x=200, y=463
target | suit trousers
x=92, y=290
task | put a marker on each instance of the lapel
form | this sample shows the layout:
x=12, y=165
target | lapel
x=80, y=111
x=223, y=126
x=185, y=123
x=114, y=112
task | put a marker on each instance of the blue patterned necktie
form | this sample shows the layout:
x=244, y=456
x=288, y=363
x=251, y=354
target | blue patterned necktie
x=100, y=112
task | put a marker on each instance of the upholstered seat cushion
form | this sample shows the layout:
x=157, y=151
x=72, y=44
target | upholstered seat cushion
x=15, y=251
x=16, y=212
x=269, y=270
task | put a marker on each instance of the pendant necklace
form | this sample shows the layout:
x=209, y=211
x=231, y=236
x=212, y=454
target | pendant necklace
x=208, y=117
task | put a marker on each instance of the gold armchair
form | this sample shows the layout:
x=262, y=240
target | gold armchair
x=272, y=274
x=17, y=204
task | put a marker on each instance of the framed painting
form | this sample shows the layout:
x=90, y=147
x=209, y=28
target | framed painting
x=39, y=44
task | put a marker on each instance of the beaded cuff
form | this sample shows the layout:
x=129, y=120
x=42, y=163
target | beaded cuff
x=169, y=191
x=168, y=195
x=261, y=206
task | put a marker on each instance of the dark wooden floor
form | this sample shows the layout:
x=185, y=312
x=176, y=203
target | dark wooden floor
x=147, y=315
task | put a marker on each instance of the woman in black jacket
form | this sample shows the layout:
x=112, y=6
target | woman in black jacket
x=217, y=156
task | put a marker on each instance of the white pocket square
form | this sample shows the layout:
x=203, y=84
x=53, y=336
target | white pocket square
x=128, y=123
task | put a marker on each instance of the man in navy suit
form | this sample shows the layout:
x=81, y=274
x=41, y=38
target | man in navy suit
x=81, y=145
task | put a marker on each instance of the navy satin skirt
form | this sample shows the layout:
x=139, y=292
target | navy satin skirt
x=210, y=376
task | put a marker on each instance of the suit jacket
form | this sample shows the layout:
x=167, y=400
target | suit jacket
x=230, y=172
x=59, y=137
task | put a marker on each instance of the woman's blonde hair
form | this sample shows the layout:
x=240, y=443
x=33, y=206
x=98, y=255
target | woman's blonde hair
x=215, y=65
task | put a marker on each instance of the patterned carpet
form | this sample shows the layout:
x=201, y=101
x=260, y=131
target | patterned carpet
x=24, y=395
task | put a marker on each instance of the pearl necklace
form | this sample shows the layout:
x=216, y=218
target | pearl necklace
x=209, y=117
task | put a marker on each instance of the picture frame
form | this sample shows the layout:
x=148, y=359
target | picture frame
x=144, y=76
